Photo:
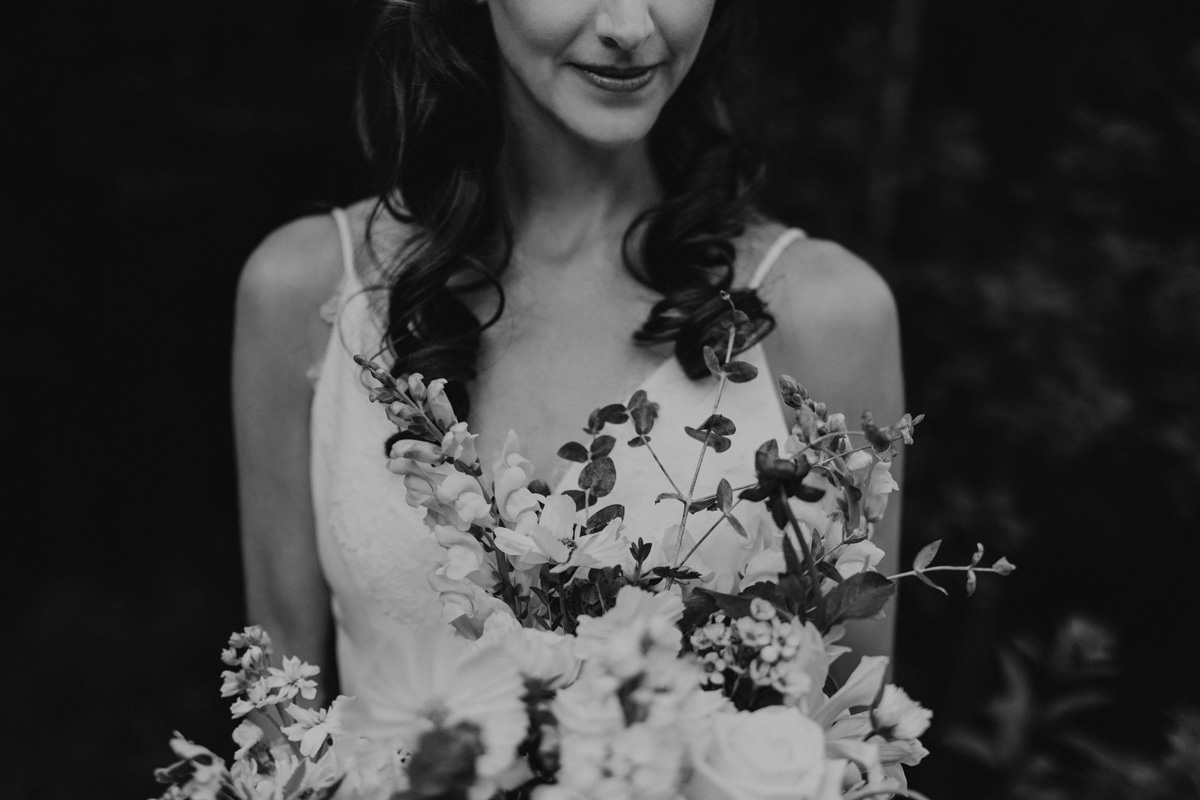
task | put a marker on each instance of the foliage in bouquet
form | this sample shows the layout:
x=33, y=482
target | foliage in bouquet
x=587, y=655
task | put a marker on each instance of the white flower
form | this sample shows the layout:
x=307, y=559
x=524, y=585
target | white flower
x=540, y=655
x=771, y=753
x=459, y=444
x=245, y=736
x=257, y=696
x=859, y=689
x=438, y=405
x=313, y=726
x=293, y=679
x=434, y=679
x=604, y=548
x=900, y=717
x=858, y=557
x=764, y=568
x=633, y=606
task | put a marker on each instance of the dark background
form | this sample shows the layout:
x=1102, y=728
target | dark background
x=1025, y=174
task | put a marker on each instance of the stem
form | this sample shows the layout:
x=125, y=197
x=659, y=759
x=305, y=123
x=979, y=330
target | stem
x=813, y=575
x=830, y=460
x=912, y=572
x=666, y=474
x=708, y=533
x=687, y=506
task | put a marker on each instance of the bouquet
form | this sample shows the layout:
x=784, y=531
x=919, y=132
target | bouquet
x=586, y=657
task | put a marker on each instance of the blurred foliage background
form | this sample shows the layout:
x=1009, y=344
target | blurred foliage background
x=1025, y=174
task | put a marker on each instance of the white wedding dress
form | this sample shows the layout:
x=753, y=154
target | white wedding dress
x=374, y=548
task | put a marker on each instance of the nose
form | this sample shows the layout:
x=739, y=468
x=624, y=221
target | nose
x=624, y=24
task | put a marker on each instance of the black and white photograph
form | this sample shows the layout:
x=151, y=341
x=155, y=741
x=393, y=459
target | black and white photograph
x=603, y=400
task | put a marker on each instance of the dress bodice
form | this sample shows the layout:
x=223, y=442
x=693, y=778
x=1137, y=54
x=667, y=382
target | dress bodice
x=375, y=550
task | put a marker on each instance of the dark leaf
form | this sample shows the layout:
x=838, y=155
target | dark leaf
x=614, y=413
x=717, y=442
x=809, y=494
x=829, y=571
x=755, y=493
x=539, y=486
x=698, y=607
x=602, y=446
x=594, y=424
x=638, y=441
x=676, y=573
x=599, y=476
x=740, y=372
x=735, y=606
x=925, y=557
x=643, y=414
x=790, y=557
x=604, y=516
x=710, y=361
x=577, y=496
x=720, y=425
x=724, y=495
x=703, y=504
x=858, y=597
x=573, y=451
x=670, y=496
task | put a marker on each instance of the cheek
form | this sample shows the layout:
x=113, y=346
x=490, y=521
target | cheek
x=683, y=24
x=535, y=28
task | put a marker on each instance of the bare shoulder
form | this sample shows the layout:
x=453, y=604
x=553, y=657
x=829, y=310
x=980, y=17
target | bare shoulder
x=837, y=325
x=283, y=285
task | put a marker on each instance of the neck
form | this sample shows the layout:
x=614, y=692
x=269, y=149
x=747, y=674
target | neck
x=564, y=194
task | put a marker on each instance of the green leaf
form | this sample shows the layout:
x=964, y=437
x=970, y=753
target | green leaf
x=643, y=412
x=717, y=442
x=669, y=496
x=614, y=413
x=724, y=495
x=975, y=559
x=710, y=361
x=740, y=372
x=598, y=476
x=604, y=516
x=858, y=597
x=594, y=424
x=735, y=606
x=972, y=581
x=638, y=441
x=573, y=451
x=925, y=557
x=602, y=446
x=829, y=571
x=697, y=608
x=718, y=424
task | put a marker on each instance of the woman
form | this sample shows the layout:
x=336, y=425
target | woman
x=553, y=176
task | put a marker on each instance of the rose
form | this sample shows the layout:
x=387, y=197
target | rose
x=769, y=754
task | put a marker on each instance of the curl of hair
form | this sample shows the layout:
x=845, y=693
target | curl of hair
x=431, y=127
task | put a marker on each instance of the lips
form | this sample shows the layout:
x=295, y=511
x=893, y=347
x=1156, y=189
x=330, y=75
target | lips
x=617, y=79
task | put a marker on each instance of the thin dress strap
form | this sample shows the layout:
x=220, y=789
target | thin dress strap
x=343, y=226
x=782, y=243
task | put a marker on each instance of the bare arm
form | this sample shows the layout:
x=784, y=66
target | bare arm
x=278, y=335
x=839, y=336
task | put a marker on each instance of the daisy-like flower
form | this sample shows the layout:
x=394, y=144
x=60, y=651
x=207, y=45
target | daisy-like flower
x=434, y=681
x=313, y=726
x=295, y=678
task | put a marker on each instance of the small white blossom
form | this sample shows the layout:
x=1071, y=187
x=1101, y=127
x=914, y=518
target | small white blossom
x=293, y=679
x=898, y=716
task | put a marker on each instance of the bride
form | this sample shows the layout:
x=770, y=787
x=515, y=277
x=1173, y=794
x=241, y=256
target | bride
x=559, y=203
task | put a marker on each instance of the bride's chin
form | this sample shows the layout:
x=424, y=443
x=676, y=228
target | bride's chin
x=613, y=130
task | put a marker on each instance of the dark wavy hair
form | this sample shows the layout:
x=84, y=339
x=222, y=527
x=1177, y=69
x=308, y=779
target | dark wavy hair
x=430, y=122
